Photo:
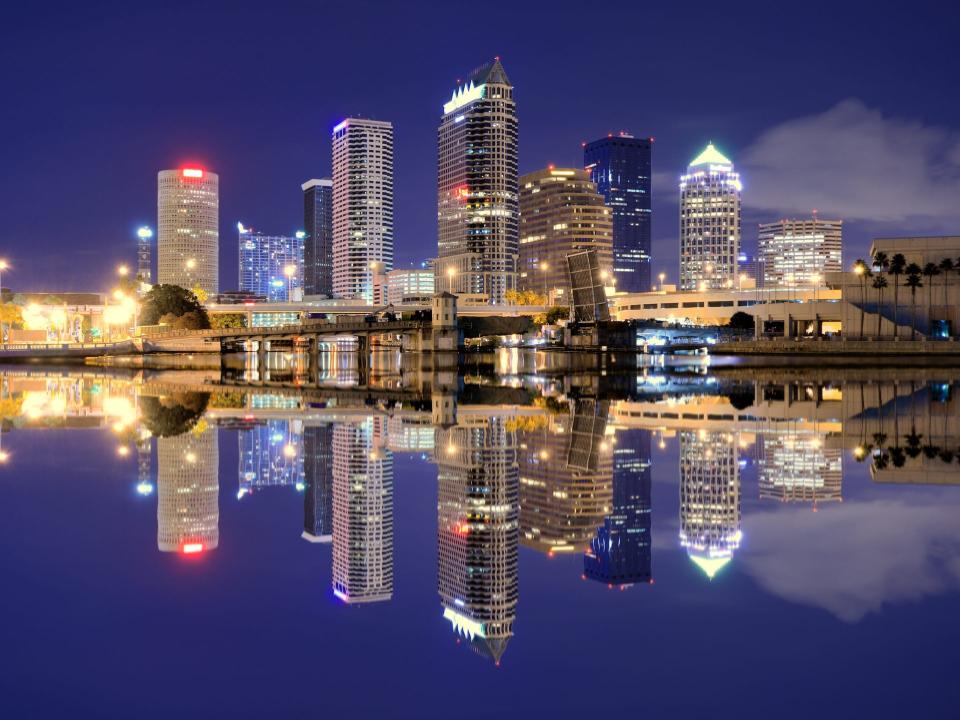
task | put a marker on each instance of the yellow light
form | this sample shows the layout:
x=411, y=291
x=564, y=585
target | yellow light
x=3, y=265
x=289, y=451
x=451, y=272
x=191, y=457
x=123, y=270
x=858, y=269
x=290, y=270
x=191, y=264
x=118, y=294
x=4, y=456
x=123, y=451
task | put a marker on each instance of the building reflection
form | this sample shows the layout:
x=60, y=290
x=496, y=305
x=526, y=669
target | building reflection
x=709, y=498
x=620, y=551
x=271, y=455
x=362, y=512
x=188, y=513
x=477, y=530
x=795, y=465
x=566, y=478
x=318, y=483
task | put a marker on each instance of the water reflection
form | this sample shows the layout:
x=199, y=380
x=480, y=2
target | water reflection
x=558, y=464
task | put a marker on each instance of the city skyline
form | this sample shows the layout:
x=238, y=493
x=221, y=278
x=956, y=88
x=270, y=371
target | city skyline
x=260, y=169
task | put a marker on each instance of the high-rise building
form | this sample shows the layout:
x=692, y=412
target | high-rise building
x=270, y=265
x=709, y=498
x=620, y=165
x=188, y=229
x=188, y=513
x=709, y=222
x=362, y=205
x=560, y=213
x=620, y=552
x=797, y=253
x=318, y=483
x=477, y=531
x=318, y=243
x=477, y=204
x=749, y=267
x=362, y=512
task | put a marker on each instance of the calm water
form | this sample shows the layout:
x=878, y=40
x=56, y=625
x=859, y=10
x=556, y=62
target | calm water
x=684, y=541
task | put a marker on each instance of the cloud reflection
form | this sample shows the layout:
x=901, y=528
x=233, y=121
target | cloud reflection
x=853, y=559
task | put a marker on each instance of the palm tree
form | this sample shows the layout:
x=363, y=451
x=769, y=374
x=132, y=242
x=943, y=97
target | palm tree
x=946, y=267
x=879, y=283
x=930, y=270
x=862, y=271
x=897, y=263
x=880, y=261
x=913, y=282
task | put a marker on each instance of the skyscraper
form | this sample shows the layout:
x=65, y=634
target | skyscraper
x=620, y=552
x=188, y=512
x=477, y=531
x=318, y=243
x=709, y=498
x=709, y=222
x=188, y=230
x=362, y=512
x=620, y=165
x=560, y=213
x=270, y=265
x=477, y=203
x=797, y=253
x=796, y=466
x=362, y=205
x=144, y=240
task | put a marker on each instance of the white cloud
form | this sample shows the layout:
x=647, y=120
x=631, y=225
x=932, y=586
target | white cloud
x=854, y=163
x=853, y=558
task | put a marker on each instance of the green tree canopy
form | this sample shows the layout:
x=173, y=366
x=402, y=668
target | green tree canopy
x=172, y=300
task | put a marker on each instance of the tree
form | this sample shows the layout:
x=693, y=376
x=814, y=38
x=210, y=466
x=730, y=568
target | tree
x=930, y=271
x=913, y=282
x=556, y=314
x=199, y=293
x=741, y=321
x=228, y=321
x=174, y=414
x=524, y=297
x=897, y=263
x=879, y=283
x=946, y=267
x=171, y=300
x=863, y=272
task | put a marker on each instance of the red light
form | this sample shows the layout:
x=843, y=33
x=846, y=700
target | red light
x=193, y=173
x=192, y=548
x=248, y=304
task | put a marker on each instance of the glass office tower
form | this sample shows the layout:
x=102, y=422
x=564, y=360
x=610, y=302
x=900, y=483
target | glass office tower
x=620, y=167
x=318, y=240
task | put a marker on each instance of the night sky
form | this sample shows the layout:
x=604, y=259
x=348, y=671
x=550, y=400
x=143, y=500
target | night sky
x=850, y=109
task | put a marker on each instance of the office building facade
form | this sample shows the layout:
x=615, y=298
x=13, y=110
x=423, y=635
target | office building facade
x=318, y=237
x=621, y=167
x=709, y=222
x=477, y=195
x=797, y=253
x=560, y=213
x=362, y=205
x=410, y=285
x=270, y=265
x=188, y=492
x=188, y=228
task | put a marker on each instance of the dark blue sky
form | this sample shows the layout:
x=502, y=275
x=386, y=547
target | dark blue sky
x=836, y=106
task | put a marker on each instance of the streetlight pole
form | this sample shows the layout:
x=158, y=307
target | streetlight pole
x=543, y=268
x=289, y=271
x=3, y=335
x=662, y=276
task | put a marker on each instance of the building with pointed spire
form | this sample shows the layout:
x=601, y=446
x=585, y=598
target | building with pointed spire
x=477, y=530
x=709, y=222
x=478, y=210
x=709, y=498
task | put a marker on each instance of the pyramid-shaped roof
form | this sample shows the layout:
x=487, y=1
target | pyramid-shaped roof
x=710, y=156
x=491, y=73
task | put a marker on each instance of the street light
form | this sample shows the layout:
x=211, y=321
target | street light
x=451, y=272
x=123, y=270
x=544, y=266
x=3, y=266
x=289, y=271
x=662, y=276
